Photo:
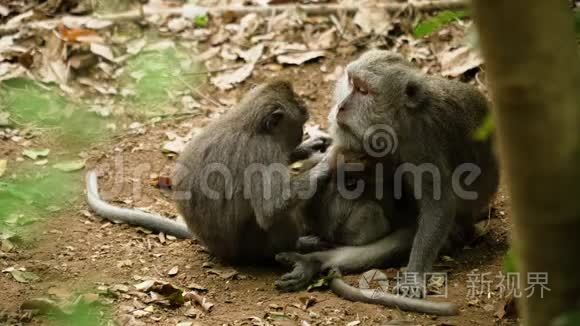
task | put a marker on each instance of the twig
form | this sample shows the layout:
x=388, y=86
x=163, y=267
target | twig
x=391, y=7
x=202, y=301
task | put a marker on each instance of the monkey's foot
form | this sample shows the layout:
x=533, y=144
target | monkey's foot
x=312, y=243
x=304, y=270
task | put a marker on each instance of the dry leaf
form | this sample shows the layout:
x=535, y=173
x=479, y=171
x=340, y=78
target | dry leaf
x=175, y=146
x=10, y=71
x=70, y=166
x=253, y=54
x=36, y=153
x=103, y=51
x=372, y=20
x=179, y=24
x=299, y=58
x=4, y=11
x=225, y=274
x=226, y=80
x=135, y=46
x=456, y=62
x=145, y=286
x=78, y=35
x=202, y=301
x=173, y=271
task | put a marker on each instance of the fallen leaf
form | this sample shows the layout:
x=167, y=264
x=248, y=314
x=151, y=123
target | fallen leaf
x=70, y=166
x=225, y=274
x=178, y=24
x=373, y=21
x=81, y=35
x=135, y=46
x=145, y=286
x=175, y=146
x=24, y=276
x=226, y=80
x=456, y=62
x=185, y=323
x=193, y=312
x=36, y=153
x=253, y=54
x=3, y=165
x=10, y=71
x=197, y=287
x=4, y=11
x=307, y=302
x=103, y=51
x=173, y=271
x=299, y=58
x=5, y=117
x=202, y=301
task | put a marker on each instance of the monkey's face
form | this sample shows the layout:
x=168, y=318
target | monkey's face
x=376, y=91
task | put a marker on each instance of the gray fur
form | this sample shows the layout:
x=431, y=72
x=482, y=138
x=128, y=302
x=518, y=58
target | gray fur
x=233, y=226
x=237, y=222
x=434, y=120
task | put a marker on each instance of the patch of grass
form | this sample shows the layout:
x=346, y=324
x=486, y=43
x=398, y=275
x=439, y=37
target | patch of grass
x=35, y=193
x=44, y=108
x=435, y=23
x=157, y=75
x=510, y=264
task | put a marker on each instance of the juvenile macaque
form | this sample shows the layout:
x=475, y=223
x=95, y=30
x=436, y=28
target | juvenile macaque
x=232, y=185
x=431, y=122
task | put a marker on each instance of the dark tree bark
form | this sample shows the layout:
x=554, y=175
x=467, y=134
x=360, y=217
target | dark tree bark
x=532, y=63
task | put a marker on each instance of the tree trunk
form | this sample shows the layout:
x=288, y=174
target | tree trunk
x=533, y=71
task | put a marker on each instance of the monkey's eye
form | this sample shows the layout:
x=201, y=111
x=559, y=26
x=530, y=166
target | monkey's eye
x=360, y=86
x=272, y=120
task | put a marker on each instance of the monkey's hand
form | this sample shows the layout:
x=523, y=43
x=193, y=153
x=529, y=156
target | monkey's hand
x=312, y=243
x=304, y=270
x=310, y=147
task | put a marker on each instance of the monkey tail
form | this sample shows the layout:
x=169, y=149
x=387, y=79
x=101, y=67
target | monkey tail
x=149, y=221
x=344, y=290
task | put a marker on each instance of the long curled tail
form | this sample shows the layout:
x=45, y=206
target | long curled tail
x=344, y=290
x=149, y=221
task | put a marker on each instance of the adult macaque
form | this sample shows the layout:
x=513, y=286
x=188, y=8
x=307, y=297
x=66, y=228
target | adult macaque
x=429, y=123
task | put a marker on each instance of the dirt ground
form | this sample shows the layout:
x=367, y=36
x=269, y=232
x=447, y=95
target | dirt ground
x=74, y=251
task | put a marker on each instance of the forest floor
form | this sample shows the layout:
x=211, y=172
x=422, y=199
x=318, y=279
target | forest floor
x=69, y=255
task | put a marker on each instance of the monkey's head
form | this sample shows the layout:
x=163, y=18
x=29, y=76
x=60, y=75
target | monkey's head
x=273, y=109
x=376, y=91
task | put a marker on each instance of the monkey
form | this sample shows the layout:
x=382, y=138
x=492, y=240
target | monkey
x=354, y=219
x=434, y=119
x=349, y=216
x=225, y=184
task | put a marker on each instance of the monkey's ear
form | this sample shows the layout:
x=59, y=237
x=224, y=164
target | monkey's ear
x=272, y=120
x=414, y=94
